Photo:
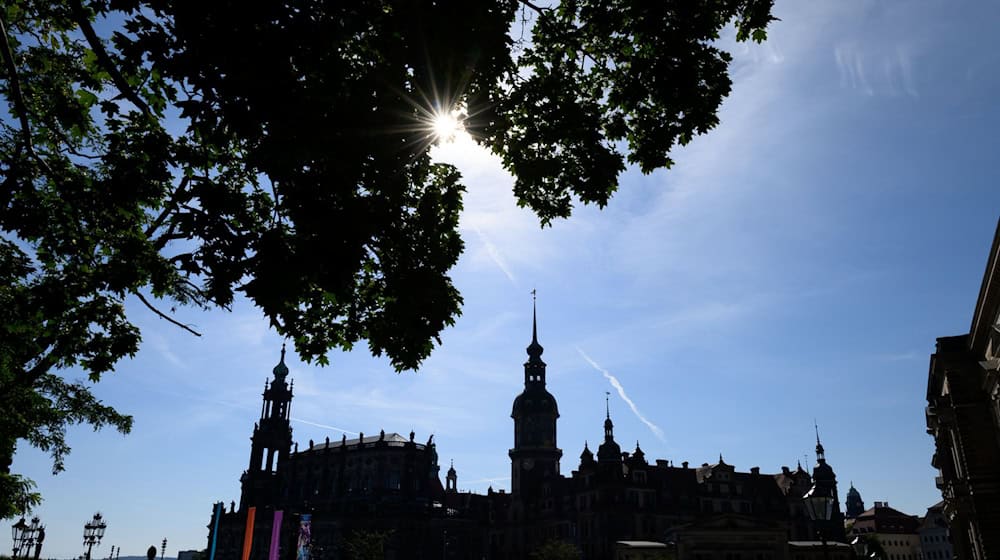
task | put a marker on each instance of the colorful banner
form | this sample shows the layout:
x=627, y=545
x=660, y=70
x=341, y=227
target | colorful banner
x=248, y=535
x=215, y=530
x=305, y=537
x=275, y=535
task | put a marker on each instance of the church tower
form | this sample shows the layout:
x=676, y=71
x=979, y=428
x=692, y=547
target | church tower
x=271, y=441
x=855, y=505
x=610, y=453
x=451, y=480
x=534, y=455
x=824, y=477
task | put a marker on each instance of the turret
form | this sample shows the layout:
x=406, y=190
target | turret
x=271, y=441
x=535, y=412
x=609, y=451
x=451, y=479
x=824, y=477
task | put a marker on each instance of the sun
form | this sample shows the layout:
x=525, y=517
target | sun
x=447, y=125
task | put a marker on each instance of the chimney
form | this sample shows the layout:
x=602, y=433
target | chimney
x=684, y=464
x=754, y=470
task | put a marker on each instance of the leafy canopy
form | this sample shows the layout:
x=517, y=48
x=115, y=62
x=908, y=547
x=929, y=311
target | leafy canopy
x=181, y=153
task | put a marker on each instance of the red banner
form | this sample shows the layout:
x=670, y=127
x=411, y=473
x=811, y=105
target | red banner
x=248, y=535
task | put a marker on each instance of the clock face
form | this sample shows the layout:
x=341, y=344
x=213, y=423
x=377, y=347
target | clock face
x=529, y=464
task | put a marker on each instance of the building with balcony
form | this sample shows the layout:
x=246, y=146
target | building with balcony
x=963, y=417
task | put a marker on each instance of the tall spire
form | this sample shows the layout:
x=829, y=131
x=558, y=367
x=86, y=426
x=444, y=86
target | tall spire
x=609, y=451
x=534, y=316
x=820, y=454
x=534, y=349
x=609, y=427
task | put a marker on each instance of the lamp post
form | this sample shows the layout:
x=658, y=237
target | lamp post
x=93, y=532
x=819, y=506
x=18, y=533
x=25, y=536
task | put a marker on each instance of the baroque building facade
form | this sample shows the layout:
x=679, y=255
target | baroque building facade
x=388, y=487
x=963, y=417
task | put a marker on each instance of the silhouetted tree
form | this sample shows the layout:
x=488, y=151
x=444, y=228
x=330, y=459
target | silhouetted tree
x=179, y=153
x=366, y=545
x=556, y=550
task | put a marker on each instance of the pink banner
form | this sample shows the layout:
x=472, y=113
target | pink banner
x=275, y=535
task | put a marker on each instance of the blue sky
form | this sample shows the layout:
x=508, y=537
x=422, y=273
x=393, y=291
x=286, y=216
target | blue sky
x=797, y=263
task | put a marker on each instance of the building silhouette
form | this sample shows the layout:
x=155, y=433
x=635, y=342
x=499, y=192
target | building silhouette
x=855, y=505
x=388, y=487
x=963, y=417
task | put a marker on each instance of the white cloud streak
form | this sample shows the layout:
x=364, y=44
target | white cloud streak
x=490, y=480
x=325, y=426
x=494, y=254
x=621, y=393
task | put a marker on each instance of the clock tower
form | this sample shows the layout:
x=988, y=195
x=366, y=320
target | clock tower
x=534, y=456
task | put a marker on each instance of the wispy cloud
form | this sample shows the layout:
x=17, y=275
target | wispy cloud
x=900, y=357
x=851, y=66
x=325, y=426
x=494, y=254
x=482, y=480
x=876, y=69
x=160, y=344
x=621, y=393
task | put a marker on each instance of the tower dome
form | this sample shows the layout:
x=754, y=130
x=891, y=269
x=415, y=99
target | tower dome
x=609, y=451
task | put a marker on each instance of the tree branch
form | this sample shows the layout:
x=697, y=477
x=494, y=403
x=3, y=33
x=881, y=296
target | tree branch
x=164, y=315
x=169, y=207
x=540, y=10
x=81, y=18
x=15, y=88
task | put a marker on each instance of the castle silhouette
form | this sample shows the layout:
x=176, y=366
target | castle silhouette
x=325, y=500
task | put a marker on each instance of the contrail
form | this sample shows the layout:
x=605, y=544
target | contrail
x=301, y=421
x=621, y=392
x=495, y=255
x=490, y=480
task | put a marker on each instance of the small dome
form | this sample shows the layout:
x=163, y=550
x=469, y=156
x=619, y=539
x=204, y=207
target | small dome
x=534, y=400
x=280, y=371
x=823, y=471
x=609, y=451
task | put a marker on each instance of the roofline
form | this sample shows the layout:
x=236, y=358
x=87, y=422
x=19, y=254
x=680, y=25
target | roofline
x=987, y=291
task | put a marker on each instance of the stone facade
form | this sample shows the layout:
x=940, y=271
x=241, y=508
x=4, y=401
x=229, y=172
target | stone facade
x=963, y=416
x=935, y=535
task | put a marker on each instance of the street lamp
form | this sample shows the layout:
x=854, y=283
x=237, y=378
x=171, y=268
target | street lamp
x=19, y=533
x=25, y=536
x=93, y=532
x=819, y=506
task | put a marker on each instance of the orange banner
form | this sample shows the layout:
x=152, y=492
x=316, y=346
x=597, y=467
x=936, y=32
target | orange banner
x=248, y=535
